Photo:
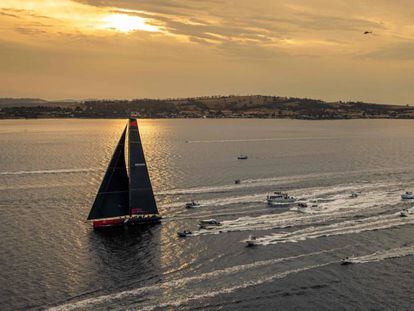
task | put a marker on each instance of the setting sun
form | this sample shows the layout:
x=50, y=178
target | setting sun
x=127, y=23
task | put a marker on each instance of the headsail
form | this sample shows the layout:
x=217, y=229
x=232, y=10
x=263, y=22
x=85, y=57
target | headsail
x=141, y=196
x=112, y=199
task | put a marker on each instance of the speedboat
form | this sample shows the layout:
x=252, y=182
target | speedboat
x=408, y=195
x=251, y=241
x=280, y=199
x=242, y=157
x=405, y=213
x=346, y=261
x=192, y=204
x=183, y=234
x=205, y=224
x=211, y=222
x=237, y=181
x=353, y=195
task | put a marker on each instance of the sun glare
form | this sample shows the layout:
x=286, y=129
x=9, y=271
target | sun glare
x=127, y=23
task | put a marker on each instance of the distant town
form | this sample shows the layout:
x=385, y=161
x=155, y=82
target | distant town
x=254, y=106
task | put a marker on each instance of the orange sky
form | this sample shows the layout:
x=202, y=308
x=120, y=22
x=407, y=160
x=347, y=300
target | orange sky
x=58, y=49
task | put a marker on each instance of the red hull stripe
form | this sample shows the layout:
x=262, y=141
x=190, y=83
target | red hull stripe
x=107, y=223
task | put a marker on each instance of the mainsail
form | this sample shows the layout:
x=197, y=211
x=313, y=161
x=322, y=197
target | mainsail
x=112, y=199
x=141, y=196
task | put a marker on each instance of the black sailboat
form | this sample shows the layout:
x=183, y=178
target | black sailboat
x=125, y=195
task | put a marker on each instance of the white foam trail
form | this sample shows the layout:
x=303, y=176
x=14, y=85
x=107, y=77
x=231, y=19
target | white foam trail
x=383, y=255
x=341, y=228
x=312, y=194
x=228, y=290
x=340, y=207
x=58, y=171
x=257, y=140
x=249, y=183
x=89, y=302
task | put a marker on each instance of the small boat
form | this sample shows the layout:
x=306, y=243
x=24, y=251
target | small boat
x=251, y=241
x=408, y=195
x=405, y=213
x=208, y=223
x=237, y=181
x=242, y=157
x=302, y=205
x=211, y=222
x=183, y=234
x=192, y=204
x=280, y=199
x=353, y=195
x=346, y=261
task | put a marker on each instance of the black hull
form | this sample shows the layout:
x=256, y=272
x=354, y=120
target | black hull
x=138, y=221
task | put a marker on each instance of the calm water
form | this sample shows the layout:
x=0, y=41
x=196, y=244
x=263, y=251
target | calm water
x=50, y=171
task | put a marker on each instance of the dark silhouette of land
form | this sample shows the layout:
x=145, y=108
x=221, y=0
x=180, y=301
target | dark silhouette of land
x=254, y=106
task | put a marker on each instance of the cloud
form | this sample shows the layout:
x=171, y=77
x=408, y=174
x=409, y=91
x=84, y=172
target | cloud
x=186, y=47
x=398, y=51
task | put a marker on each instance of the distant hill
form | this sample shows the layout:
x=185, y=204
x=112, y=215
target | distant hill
x=32, y=102
x=21, y=102
x=253, y=106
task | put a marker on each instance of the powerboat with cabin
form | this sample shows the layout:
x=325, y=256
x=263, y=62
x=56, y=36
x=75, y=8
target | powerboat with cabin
x=408, y=195
x=192, y=204
x=280, y=199
x=251, y=241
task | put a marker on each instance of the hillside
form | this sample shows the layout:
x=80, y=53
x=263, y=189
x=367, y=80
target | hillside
x=255, y=106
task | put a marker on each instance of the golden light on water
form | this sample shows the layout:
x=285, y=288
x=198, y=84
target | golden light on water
x=127, y=23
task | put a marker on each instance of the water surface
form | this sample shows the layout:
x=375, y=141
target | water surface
x=50, y=171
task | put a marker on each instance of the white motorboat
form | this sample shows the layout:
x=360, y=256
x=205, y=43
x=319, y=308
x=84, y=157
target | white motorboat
x=242, y=157
x=251, y=241
x=192, y=204
x=408, y=195
x=280, y=199
x=405, y=213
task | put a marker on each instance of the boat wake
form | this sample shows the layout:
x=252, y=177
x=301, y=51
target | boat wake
x=257, y=140
x=279, y=181
x=340, y=228
x=187, y=283
x=58, y=171
x=336, y=209
x=383, y=255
